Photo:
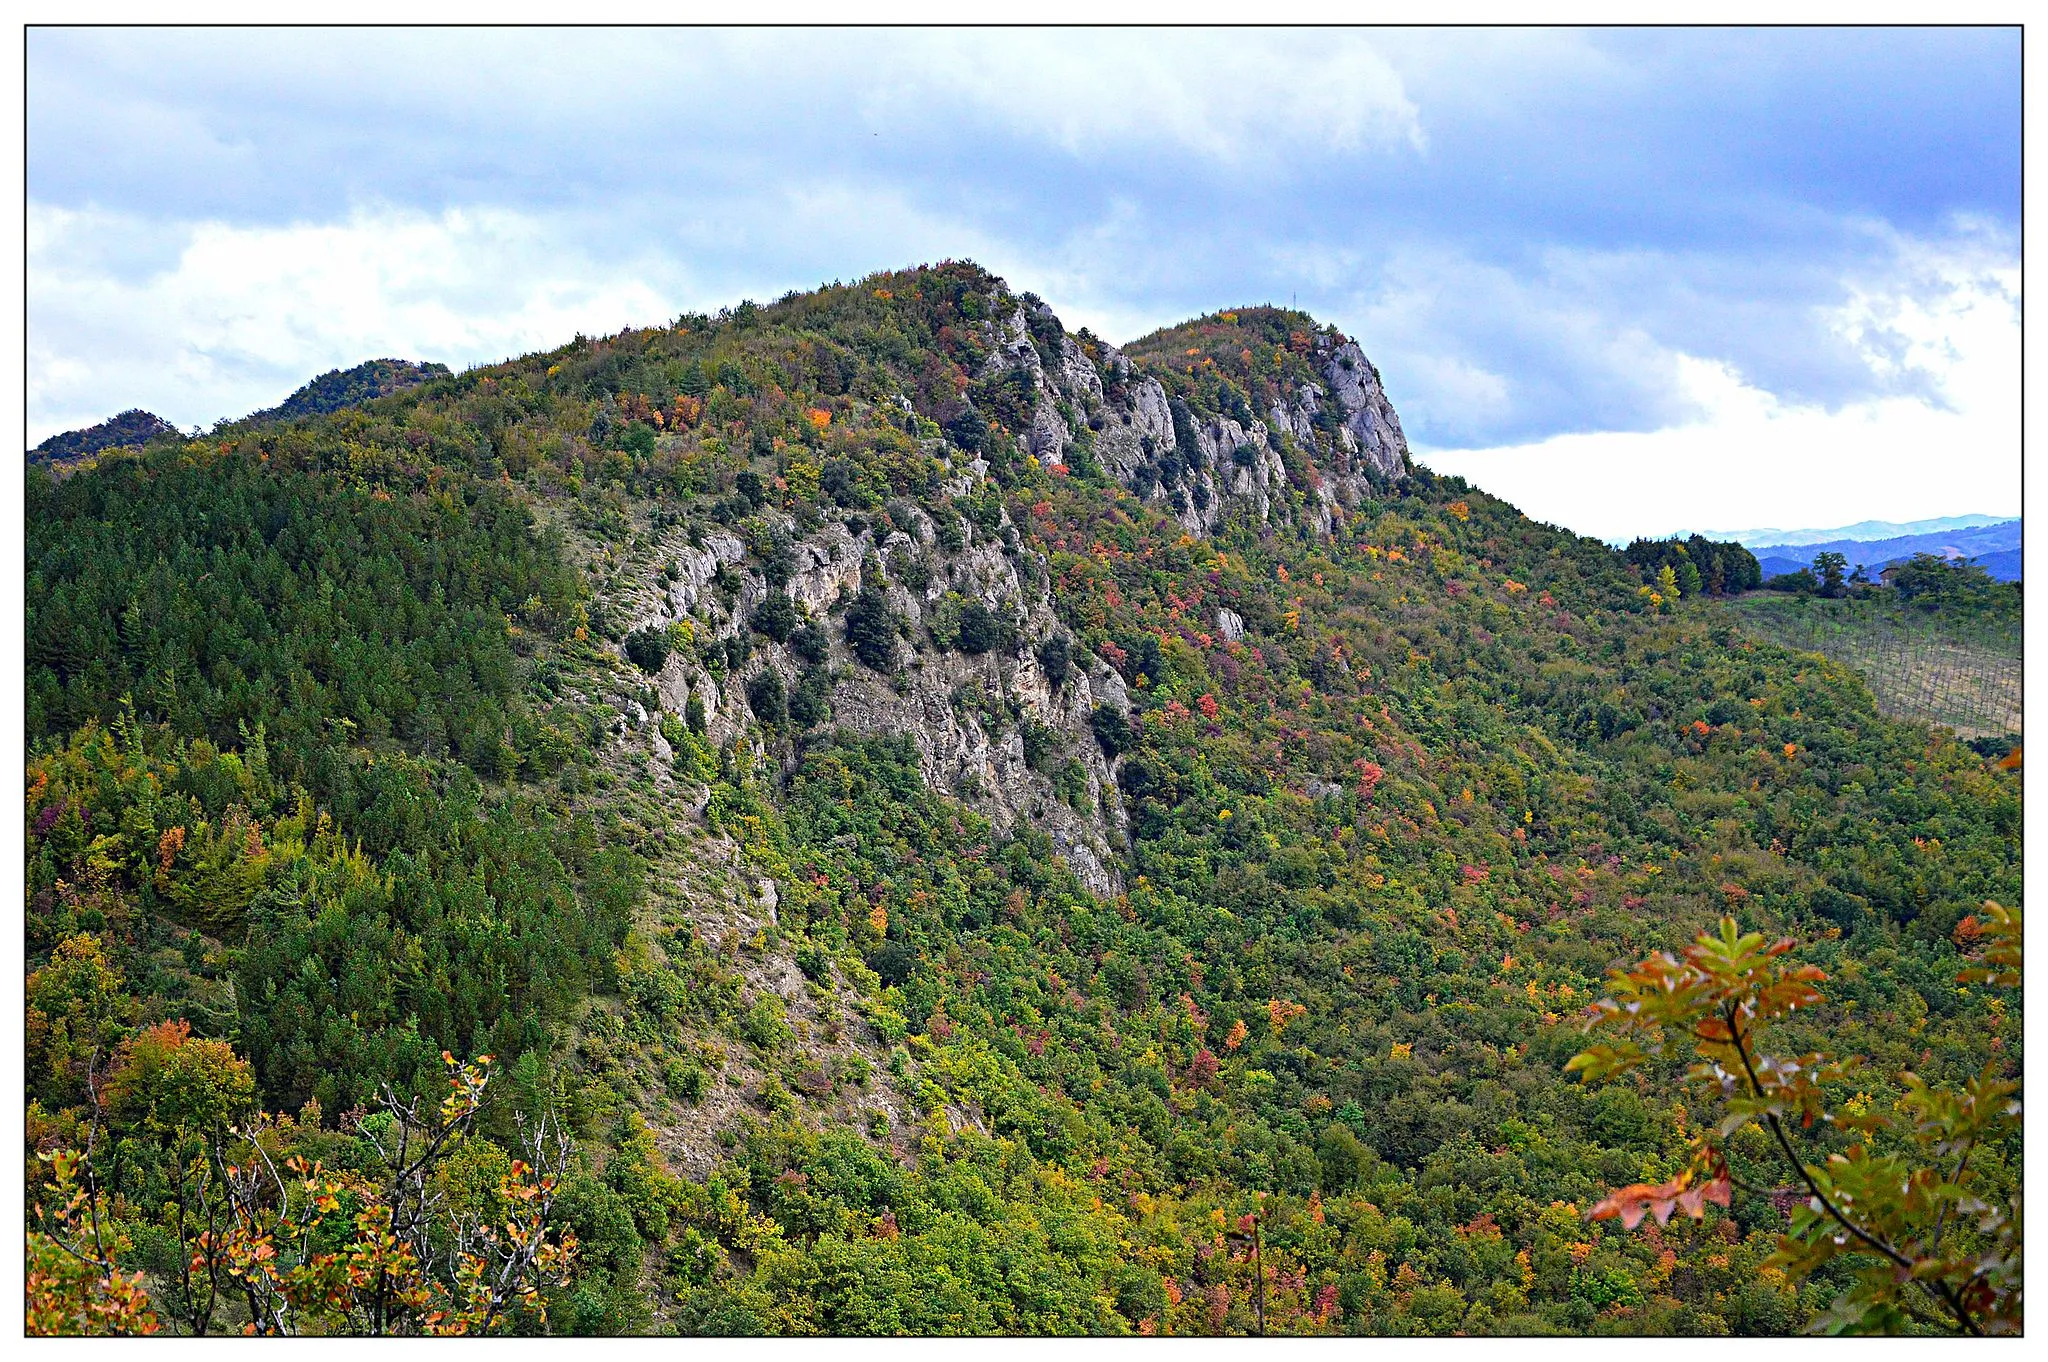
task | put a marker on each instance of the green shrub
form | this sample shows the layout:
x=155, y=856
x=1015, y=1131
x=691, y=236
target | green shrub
x=1055, y=659
x=647, y=648
x=776, y=616
x=811, y=643
x=1113, y=729
x=810, y=703
x=764, y=1023
x=871, y=629
x=767, y=697
x=685, y=1081
x=983, y=630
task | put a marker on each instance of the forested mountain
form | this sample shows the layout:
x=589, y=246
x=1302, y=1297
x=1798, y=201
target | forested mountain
x=133, y=427
x=338, y=388
x=942, y=824
x=330, y=392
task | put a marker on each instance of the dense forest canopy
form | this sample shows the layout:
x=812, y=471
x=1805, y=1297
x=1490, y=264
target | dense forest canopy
x=957, y=827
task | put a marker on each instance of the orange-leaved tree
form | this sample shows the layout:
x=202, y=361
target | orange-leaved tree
x=1930, y=1241
x=439, y=1232
x=72, y=1282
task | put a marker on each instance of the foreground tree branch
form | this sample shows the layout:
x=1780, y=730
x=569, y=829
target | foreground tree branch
x=1883, y=1199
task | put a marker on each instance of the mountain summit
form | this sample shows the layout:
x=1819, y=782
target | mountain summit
x=132, y=427
x=338, y=388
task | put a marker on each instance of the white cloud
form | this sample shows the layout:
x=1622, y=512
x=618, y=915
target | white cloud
x=199, y=321
x=1946, y=327
x=1454, y=382
x=1235, y=97
x=240, y=316
x=1478, y=350
x=549, y=114
x=1953, y=319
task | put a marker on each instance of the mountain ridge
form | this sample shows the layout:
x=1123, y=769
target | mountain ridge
x=951, y=816
x=1861, y=531
x=325, y=393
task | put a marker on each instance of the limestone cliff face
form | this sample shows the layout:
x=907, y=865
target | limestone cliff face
x=969, y=715
x=966, y=714
x=1369, y=417
x=1126, y=421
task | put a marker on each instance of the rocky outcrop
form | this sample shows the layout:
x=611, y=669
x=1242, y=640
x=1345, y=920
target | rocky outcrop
x=1136, y=432
x=696, y=565
x=1348, y=428
x=966, y=714
x=1368, y=417
x=969, y=714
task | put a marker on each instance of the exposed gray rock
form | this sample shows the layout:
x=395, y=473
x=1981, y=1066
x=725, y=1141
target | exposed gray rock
x=1121, y=444
x=1048, y=437
x=1367, y=414
x=1298, y=419
x=828, y=562
x=1110, y=689
x=697, y=566
x=1013, y=348
x=672, y=683
x=1076, y=377
x=1125, y=417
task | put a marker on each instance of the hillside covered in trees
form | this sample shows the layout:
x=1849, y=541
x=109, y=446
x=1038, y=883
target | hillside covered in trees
x=132, y=427
x=941, y=824
x=338, y=388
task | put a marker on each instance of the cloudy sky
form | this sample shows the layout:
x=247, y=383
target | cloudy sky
x=1632, y=280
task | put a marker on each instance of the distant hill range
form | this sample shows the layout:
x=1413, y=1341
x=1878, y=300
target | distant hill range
x=1862, y=532
x=330, y=392
x=1993, y=543
x=131, y=427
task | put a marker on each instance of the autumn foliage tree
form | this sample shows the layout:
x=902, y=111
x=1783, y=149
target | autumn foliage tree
x=73, y=1285
x=1932, y=1243
x=439, y=1232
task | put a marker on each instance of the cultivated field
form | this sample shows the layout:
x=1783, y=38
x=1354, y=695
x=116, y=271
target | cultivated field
x=1959, y=670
